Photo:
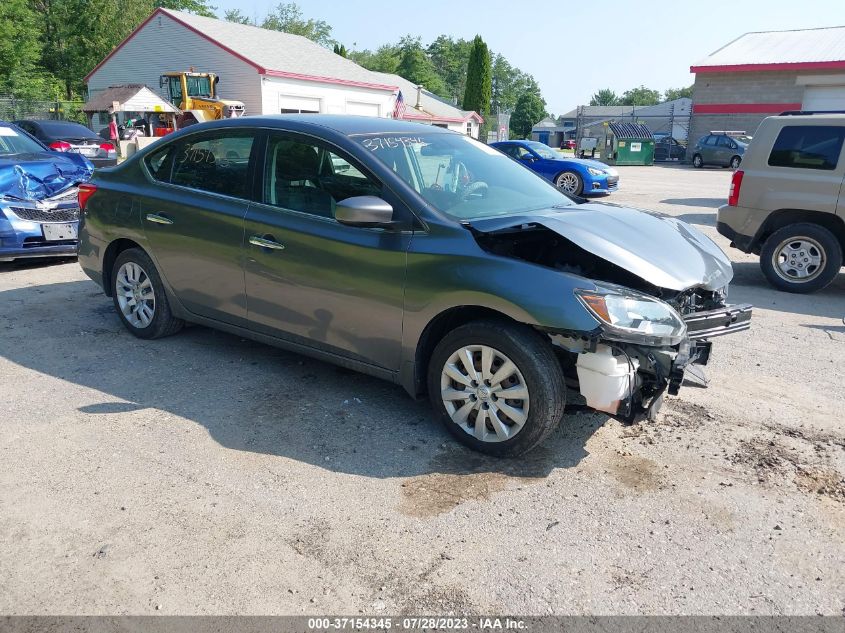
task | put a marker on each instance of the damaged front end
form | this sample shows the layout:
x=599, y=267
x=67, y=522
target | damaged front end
x=643, y=347
x=656, y=286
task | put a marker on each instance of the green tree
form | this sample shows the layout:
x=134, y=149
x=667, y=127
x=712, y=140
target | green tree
x=605, y=97
x=677, y=93
x=479, y=88
x=235, y=15
x=641, y=96
x=20, y=54
x=200, y=7
x=450, y=59
x=340, y=49
x=287, y=17
x=384, y=60
x=530, y=110
x=416, y=67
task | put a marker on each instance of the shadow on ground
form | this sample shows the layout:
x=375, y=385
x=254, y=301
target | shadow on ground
x=750, y=286
x=706, y=219
x=250, y=396
x=710, y=203
x=34, y=263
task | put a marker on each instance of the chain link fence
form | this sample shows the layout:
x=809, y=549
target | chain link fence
x=12, y=109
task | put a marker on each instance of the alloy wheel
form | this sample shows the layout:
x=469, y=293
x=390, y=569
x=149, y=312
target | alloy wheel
x=799, y=259
x=135, y=295
x=568, y=182
x=484, y=393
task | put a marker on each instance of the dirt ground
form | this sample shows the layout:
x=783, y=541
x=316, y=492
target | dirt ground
x=206, y=474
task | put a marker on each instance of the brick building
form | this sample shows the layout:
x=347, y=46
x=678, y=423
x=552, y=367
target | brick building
x=761, y=74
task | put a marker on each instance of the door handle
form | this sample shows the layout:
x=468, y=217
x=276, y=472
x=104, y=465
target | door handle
x=158, y=219
x=263, y=242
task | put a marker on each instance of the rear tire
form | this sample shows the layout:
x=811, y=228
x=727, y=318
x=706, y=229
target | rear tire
x=139, y=296
x=697, y=161
x=509, y=426
x=801, y=258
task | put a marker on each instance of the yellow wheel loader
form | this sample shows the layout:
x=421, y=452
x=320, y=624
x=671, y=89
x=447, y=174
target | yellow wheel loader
x=195, y=94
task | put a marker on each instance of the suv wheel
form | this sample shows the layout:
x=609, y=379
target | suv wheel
x=735, y=162
x=498, y=387
x=697, y=161
x=801, y=258
x=139, y=296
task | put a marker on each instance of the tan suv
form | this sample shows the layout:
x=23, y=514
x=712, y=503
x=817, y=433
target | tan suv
x=787, y=203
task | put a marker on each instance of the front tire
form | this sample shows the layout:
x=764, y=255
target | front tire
x=736, y=161
x=139, y=296
x=697, y=161
x=570, y=182
x=497, y=387
x=801, y=258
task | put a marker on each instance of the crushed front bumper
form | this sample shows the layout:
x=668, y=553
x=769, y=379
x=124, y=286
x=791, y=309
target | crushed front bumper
x=656, y=370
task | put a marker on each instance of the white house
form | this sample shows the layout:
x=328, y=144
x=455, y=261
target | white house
x=271, y=72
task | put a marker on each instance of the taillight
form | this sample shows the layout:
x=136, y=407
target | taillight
x=60, y=146
x=736, y=183
x=108, y=147
x=86, y=190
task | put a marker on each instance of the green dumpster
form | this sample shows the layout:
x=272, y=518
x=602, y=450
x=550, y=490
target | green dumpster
x=633, y=144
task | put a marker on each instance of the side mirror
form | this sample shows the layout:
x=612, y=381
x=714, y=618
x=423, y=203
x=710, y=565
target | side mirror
x=529, y=158
x=364, y=211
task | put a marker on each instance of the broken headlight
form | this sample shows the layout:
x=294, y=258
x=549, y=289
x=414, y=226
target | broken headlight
x=634, y=318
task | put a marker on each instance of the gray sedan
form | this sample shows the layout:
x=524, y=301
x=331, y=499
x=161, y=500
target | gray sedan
x=413, y=254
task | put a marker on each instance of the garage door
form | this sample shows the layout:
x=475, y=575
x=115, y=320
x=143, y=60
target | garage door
x=361, y=109
x=824, y=98
x=293, y=105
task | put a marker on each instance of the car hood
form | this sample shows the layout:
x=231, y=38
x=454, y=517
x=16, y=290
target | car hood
x=661, y=250
x=587, y=162
x=41, y=175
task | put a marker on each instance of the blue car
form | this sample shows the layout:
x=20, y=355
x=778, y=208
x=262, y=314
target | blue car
x=576, y=176
x=39, y=211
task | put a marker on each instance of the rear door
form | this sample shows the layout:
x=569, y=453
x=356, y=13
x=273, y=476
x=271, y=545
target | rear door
x=708, y=149
x=193, y=217
x=312, y=280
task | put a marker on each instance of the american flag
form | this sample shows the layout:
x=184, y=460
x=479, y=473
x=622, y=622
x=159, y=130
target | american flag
x=399, y=108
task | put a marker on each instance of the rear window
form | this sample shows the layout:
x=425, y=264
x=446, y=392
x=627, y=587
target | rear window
x=65, y=129
x=808, y=147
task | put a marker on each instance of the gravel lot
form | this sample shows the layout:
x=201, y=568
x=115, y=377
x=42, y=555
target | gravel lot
x=209, y=474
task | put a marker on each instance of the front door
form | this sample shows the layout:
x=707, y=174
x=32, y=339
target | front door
x=311, y=279
x=194, y=220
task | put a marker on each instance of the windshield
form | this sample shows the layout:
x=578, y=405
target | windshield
x=544, y=151
x=742, y=138
x=199, y=86
x=14, y=142
x=462, y=177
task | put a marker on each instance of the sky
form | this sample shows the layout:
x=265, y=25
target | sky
x=573, y=49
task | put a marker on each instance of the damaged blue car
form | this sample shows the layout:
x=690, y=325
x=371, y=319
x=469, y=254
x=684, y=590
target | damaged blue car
x=39, y=212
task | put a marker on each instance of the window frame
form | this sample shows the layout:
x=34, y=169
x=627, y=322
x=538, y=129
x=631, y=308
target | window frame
x=838, y=158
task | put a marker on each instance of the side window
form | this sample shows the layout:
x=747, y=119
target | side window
x=159, y=165
x=723, y=141
x=521, y=152
x=217, y=164
x=711, y=140
x=310, y=178
x=808, y=147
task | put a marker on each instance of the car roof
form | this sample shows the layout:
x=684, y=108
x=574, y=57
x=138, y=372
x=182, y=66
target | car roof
x=346, y=124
